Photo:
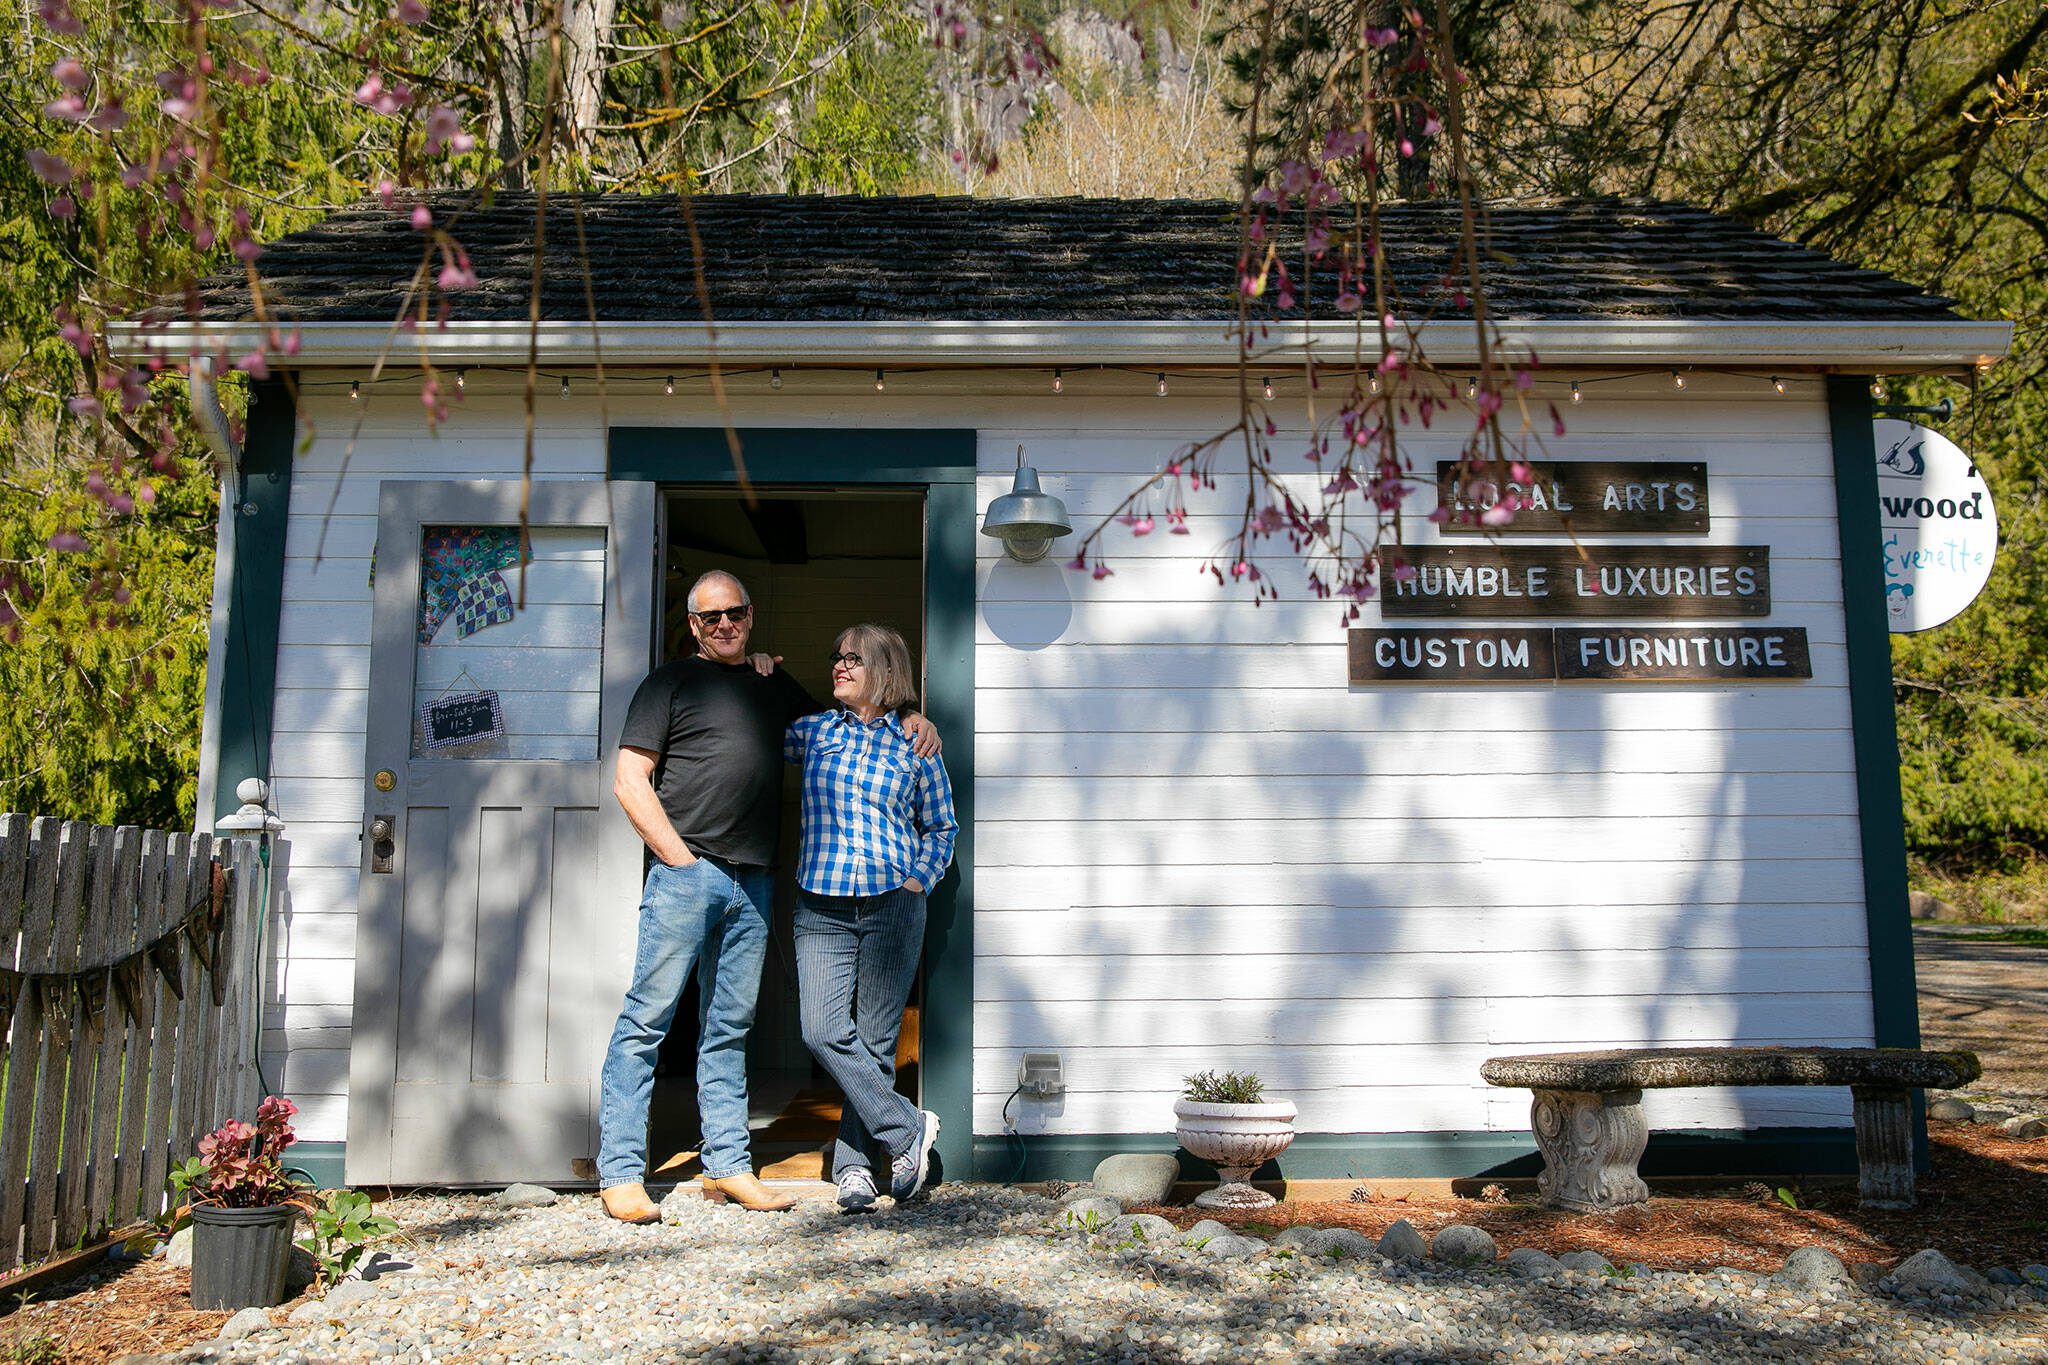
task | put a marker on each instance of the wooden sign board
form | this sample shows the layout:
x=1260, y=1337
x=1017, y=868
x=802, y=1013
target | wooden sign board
x=1588, y=497
x=1481, y=654
x=1686, y=581
x=1578, y=653
x=461, y=719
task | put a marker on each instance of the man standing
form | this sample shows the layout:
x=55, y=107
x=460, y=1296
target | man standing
x=700, y=777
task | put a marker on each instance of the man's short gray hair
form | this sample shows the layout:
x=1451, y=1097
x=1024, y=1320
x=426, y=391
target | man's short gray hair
x=716, y=576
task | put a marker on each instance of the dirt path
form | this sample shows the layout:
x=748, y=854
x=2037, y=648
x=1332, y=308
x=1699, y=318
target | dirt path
x=1991, y=998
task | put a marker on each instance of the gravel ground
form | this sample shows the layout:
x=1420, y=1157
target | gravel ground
x=990, y=1273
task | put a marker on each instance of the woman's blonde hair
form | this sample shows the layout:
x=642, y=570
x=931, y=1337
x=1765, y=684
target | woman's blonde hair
x=889, y=680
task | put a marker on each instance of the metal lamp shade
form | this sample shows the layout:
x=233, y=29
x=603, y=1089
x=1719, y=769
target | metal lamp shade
x=1026, y=519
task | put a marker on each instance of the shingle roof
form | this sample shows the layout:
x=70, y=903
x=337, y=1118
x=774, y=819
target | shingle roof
x=794, y=258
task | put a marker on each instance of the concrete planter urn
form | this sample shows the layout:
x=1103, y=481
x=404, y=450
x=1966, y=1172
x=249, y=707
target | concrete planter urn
x=1237, y=1139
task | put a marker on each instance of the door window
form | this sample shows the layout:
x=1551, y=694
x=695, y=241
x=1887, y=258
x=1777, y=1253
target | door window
x=509, y=647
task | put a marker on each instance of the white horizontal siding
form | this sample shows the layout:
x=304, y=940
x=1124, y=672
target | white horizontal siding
x=1196, y=845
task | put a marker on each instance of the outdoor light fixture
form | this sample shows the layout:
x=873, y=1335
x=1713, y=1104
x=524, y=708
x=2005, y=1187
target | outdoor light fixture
x=565, y=386
x=668, y=386
x=1268, y=384
x=1677, y=380
x=775, y=379
x=1056, y=383
x=462, y=381
x=1026, y=519
x=1779, y=385
x=1161, y=376
x=878, y=381
x=355, y=390
x=1577, y=397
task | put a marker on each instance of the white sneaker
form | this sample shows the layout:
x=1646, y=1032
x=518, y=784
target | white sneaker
x=911, y=1173
x=856, y=1189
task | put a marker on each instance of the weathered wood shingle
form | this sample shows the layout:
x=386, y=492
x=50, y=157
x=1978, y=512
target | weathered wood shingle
x=780, y=257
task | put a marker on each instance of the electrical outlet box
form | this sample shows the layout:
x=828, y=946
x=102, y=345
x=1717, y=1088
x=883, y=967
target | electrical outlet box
x=1038, y=1075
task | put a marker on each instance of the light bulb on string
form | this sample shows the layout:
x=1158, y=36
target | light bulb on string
x=878, y=381
x=355, y=390
x=1877, y=389
x=1677, y=380
x=1577, y=397
x=1162, y=383
x=1373, y=384
x=668, y=386
x=462, y=381
x=565, y=386
x=775, y=379
x=1057, y=382
x=1471, y=386
x=1267, y=383
x=1779, y=385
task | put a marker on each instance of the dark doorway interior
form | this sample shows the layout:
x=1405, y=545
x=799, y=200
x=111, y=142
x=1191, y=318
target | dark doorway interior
x=814, y=561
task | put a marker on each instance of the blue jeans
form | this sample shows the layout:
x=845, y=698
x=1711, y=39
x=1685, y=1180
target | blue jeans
x=856, y=959
x=714, y=916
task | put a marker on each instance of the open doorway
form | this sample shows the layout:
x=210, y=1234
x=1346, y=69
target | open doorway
x=815, y=561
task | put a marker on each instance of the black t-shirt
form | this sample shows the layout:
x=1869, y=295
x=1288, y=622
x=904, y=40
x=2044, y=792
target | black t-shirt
x=718, y=730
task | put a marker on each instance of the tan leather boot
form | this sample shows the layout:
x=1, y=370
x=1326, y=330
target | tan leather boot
x=630, y=1204
x=747, y=1192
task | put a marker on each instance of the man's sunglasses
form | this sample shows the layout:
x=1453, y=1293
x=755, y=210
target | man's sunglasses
x=717, y=614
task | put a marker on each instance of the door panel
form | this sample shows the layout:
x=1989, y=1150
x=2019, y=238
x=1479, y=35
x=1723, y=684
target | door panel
x=496, y=916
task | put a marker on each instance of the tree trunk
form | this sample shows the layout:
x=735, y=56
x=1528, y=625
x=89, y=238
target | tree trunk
x=587, y=28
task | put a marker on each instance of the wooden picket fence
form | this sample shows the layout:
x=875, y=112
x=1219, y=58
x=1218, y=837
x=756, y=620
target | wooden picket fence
x=130, y=979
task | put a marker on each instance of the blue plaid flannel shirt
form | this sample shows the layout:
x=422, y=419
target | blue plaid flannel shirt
x=874, y=813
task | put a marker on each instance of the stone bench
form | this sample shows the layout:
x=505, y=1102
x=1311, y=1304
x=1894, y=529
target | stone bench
x=1587, y=1112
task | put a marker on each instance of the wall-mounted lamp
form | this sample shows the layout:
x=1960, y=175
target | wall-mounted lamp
x=1026, y=519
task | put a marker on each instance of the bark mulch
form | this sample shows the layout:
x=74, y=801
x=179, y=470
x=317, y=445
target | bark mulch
x=1984, y=1204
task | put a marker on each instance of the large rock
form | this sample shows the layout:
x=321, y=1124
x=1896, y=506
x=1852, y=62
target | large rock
x=1532, y=1264
x=524, y=1197
x=179, y=1252
x=349, y=1293
x=1231, y=1247
x=1139, y=1227
x=2035, y=1274
x=1092, y=1214
x=1464, y=1245
x=1586, y=1262
x=1930, y=1272
x=1208, y=1227
x=1137, y=1177
x=1921, y=905
x=244, y=1323
x=2027, y=1126
x=1951, y=1109
x=1402, y=1242
x=1811, y=1270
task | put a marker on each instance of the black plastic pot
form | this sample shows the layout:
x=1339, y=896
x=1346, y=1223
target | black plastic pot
x=239, y=1256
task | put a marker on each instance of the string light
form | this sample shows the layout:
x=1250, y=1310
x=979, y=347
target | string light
x=1577, y=397
x=775, y=379
x=878, y=381
x=565, y=386
x=1779, y=385
x=462, y=381
x=1057, y=384
x=1677, y=380
x=668, y=386
x=1268, y=384
x=1162, y=383
x=1877, y=389
x=1471, y=386
x=1373, y=384
x=355, y=391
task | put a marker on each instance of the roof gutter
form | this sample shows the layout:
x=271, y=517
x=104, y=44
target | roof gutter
x=1858, y=347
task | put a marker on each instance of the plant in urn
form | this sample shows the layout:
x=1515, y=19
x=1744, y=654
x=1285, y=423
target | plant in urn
x=1227, y=1121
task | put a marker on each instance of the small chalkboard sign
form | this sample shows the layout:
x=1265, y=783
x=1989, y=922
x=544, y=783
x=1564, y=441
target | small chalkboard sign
x=463, y=718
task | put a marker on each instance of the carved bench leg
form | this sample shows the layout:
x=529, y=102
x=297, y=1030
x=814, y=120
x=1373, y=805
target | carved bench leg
x=1884, y=1146
x=1591, y=1142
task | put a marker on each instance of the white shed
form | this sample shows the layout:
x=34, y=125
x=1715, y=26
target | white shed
x=1197, y=832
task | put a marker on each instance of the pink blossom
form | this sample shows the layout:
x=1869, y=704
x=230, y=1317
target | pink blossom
x=1431, y=126
x=109, y=117
x=1381, y=37
x=66, y=109
x=1502, y=512
x=255, y=363
x=1316, y=240
x=122, y=504
x=1439, y=515
x=204, y=237
x=1524, y=379
x=66, y=542
x=179, y=108
x=145, y=493
x=1521, y=473
x=1404, y=573
x=64, y=206
x=57, y=15
x=84, y=405
x=1079, y=561
x=51, y=170
x=71, y=73
x=444, y=129
x=411, y=12
x=247, y=249
x=1142, y=526
x=80, y=339
x=1294, y=176
x=1407, y=147
x=422, y=217
x=1102, y=571
x=1556, y=425
x=134, y=389
x=1348, y=302
x=1284, y=299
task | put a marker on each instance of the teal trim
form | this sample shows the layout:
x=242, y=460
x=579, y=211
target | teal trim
x=262, y=492
x=320, y=1160
x=1894, y=993
x=1433, y=1156
x=941, y=462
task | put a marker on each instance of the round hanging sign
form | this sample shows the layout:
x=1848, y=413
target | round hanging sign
x=1939, y=529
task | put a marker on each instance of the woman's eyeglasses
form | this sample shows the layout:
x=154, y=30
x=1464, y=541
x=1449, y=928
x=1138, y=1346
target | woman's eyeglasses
x=716, y=614
x=849, y=659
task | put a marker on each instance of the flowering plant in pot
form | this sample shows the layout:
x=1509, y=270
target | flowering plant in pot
x=243, y=1203
x=1226, y=1120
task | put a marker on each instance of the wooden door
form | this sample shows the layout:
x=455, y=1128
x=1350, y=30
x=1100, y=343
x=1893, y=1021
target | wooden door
x=500, y=880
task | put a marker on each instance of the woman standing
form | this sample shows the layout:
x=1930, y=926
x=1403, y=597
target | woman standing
x=878, y=829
